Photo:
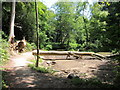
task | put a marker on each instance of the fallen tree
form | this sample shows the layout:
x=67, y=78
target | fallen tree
x=75, y=54
x=113, y=56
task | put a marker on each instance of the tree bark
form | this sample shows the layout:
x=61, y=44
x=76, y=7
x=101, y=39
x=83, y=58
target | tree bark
x=85, y=27
x=11, y=36
x=72, y=53
x=37, y=30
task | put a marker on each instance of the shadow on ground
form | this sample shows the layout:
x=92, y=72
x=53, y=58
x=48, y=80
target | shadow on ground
x=24, y=77
x=106, y=72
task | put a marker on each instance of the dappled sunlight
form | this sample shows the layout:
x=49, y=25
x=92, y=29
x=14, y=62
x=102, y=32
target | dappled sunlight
x=49, y=47
x=23, y=76
x=20, y=60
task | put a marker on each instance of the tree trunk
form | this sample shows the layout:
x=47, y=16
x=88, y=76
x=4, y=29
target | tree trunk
x=37, y=30
x=85, y=27
x=69, y=53
x=11, y=36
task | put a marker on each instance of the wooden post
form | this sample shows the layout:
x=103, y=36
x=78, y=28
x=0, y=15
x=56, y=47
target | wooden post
x=37, y=30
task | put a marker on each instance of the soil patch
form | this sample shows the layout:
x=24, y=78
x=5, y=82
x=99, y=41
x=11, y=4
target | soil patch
x=21, y=76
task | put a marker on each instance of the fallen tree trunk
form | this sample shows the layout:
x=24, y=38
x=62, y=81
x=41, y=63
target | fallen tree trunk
x=99, y=56
x=51, y=53
x=61, y=52
x=113, y=55
x=75, y=54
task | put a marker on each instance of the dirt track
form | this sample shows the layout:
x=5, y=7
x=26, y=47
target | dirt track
x=21, y=76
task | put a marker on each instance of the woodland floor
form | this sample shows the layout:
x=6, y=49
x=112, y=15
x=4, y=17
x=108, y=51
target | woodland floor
x=21, y=76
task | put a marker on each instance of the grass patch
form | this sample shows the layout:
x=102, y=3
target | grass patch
x=34, y=61
x=4, y=85
x=90, y=83
x=4, y=82
x=42, y=69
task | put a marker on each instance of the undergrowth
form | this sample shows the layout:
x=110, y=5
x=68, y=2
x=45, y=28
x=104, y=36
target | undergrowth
x=90, y=83
x=4, y=46
x=4, y=56
x=4, y=82
x=41, y=69
x=30, y=46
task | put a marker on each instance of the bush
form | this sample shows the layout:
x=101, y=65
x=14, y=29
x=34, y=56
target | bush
x=4, y=46
x=56, y=46
x=30, y=47
x=48, y=47
x=4, y=82
x=73, y=46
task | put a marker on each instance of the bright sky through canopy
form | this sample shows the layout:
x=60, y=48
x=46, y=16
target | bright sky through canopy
x=49, y=3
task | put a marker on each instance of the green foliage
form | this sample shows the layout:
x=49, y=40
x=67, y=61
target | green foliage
x=41, y=69
x=34, y=61
x=42, y=39
x=98, y=27
x=4, y=55
x=117, y=78
x=73, y=46
x=66, y=28
x=64, y=17
x=4, y=82
x=69, y=27
x=113, y=26
x=48, y=47
x=30, y=46
x=4, y=85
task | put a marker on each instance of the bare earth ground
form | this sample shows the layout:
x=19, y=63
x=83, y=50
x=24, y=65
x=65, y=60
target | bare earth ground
x=21, y=76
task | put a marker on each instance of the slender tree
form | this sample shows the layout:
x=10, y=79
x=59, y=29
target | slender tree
x=36, y=8
x=11, y=36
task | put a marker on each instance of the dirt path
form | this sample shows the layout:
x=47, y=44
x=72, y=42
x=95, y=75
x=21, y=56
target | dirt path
x=21, y=76
x=18, y=60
